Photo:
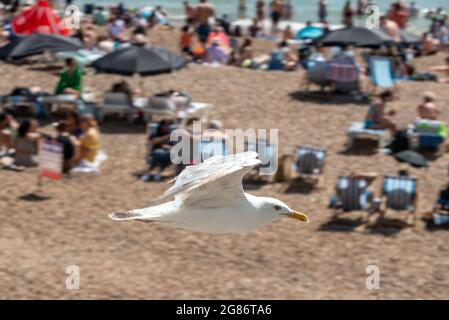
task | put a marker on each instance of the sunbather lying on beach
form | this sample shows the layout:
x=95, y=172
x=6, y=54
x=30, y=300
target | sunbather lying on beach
x=377, y=118
x=442, y=68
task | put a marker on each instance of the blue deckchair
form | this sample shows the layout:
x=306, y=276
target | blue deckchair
x=309, y=161
x=400, y=193
x=352, y=194
x=381, y=72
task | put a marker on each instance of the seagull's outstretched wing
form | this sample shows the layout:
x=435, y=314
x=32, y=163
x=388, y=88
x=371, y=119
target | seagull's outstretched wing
x=215, y=182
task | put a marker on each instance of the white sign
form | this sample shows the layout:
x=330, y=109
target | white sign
x=51, y=159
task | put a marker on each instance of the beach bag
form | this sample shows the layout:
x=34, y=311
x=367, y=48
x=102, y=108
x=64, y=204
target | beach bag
x=400, y=142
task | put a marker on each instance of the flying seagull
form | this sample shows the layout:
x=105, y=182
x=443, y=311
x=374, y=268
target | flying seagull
x=209, y=197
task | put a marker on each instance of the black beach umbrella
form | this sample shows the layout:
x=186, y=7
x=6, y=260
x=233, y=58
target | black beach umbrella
x=408, y=38
x=413, y=158
x=140, y=59
x=356, y=36
x=37, y=44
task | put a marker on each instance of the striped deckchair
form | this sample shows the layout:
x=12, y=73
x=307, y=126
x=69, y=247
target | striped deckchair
x=400, y=193
x=352, y=194
x=381, y=69
x=338, y=72
x=309, y=161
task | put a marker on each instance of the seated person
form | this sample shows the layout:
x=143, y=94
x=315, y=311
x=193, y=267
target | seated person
x=443, y=68
x=70, y=79
x=287, y=34
x=215, y=53
x=160, y=153
x=26, y=144
x=70, y=146
x=282, y=59
x=124, y=87
x=72, y=119
x=8, y=130
x=89, y=140
x=427, y=110
x=377, y=118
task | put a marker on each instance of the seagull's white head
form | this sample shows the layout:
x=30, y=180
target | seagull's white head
x=276, y=209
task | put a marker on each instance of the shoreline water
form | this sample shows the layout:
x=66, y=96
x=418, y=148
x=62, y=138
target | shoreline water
x=303, y=9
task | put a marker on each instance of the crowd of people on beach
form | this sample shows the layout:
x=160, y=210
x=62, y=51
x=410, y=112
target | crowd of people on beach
x=206, y=38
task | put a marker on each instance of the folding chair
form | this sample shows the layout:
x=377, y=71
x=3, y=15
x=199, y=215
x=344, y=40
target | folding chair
x=381, y=69
x=268, y=155
x=352, y=194
x=115, y=103
x=308, y=165
x=440, y=212
x=357, y=130
x=400, y=195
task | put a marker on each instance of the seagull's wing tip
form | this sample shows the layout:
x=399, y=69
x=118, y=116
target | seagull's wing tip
x=123, y=216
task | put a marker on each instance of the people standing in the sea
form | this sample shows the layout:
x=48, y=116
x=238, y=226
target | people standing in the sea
x=413, y=10
x=242, y=9
x=322, y=10
x=189, y=12
x=348, y=14
x=260, y=10
x=276, y=7
x=204, y=12
x=287, y=11
x=361, y=6
x=399, y=14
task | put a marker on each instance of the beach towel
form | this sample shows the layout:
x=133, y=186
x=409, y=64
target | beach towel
x=91, y=167
x=342, y=72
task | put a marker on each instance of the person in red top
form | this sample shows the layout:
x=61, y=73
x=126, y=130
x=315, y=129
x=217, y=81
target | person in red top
x=399, y=14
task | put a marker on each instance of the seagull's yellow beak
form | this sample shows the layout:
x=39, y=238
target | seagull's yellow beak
x=298, y=216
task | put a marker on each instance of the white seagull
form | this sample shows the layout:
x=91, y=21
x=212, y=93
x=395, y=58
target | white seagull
x=209, y=198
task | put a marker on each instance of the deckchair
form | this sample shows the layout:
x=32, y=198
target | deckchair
x=440, y=212
x=268, y=155
x=381, y=69
x=400, y=195
x=357, y=130
x=307, y=165
x=115, y=103
x=317, y=74
x=351, y=195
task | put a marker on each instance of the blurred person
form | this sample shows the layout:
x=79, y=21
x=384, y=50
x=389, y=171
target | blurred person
x=288, y=33
x=70, y=79
x=186, y=40
x=322, y=10
x=26, y=144
x=347, y=14
x=189, y=12
x=242, y=9
x=377, y=118
x=442, y=68
x=399, y=14
x=89, y=140
x=361, y=7
x=8, y=131
x=72, y=120
x=276, y=7
x=260, y=10
x=413, y=10
x=254, y=29
x=287, y=10
x=69, y=144
x=428, y=110
x=215, y=53
x=390, y=27
x=160, y=151
x=282, y=58
x=428, y=44
x=204, y=12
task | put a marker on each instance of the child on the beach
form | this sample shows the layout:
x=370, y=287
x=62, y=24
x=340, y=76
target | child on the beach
x=186, y=40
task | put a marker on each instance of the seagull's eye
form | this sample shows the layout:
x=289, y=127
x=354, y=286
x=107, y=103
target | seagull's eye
x=276, y=207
